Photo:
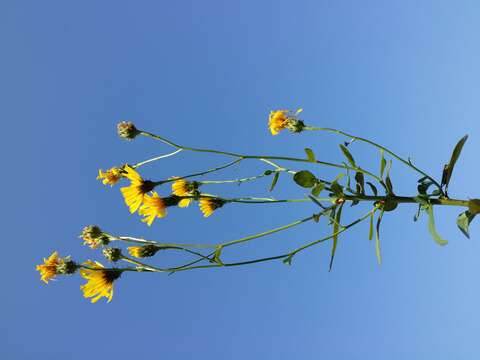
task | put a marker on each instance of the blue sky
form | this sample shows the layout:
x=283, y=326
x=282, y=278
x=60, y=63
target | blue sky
x=206, y=74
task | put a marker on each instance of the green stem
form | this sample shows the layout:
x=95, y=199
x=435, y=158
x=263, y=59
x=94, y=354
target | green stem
x=259, y=157
x=265, y=233
x=199, y=173
x=137, y=165
x=239, y=181
x=407, y=199
x=378, y=146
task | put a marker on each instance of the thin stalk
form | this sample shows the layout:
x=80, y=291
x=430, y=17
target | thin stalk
x=378, y=146
x=268, y=232
x=259, y=157
x=199, y=173
x=137, y=165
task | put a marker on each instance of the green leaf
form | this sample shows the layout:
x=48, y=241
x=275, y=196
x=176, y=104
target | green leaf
x=336, y=227
x=448, y=168
x=389, y=185
x=378, y=252
x=373, y=188
x=370, y=232
x=318, y=189
x=348, y=155
x=383, y=163
x=360, y=179
x=431, y=227
x=310, y=155
x=463, y=222
x=423, y=187
x=274, y=181
x=417, y=215
x=305, y=179
x=218, y=253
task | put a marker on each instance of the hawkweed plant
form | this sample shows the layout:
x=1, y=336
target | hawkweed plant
x=353, y=185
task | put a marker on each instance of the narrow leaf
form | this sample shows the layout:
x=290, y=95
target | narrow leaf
x=336, y=227
x=370, y=232
x=431, y=227
x=348, y=155
x=378, y=252
x=389, y=185
x=274, y=181
x=417, y=215
x=318, y=189
x=383, y=163
x=360, y=179
x=310, y=155
x=448, y=169
x=373, y=188
x=463, y=222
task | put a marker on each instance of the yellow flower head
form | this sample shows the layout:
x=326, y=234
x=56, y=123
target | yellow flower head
x=135, y=194
x=153, y=207
x=284, y=119
x=209, y=205
x=99, y=281
x=182, y=187
x=111, y=176
x=143, y=251
x=55, y=265
x=48, y=270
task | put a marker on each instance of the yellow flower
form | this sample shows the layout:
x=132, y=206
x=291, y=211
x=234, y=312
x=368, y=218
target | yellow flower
x=143, y=251
x=278, y=121
x=48, y=270
x=153, y=207
x=99, y=281
x=111, y=176
x=182, y=187
x=135, y=194
x=284, y=119
x=209, y=205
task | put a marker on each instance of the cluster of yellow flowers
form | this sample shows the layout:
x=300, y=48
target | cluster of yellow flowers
x=99, y=280
x=140, y=197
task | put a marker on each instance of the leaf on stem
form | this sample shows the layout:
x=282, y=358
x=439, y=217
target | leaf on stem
x=305, y=179
x=448, y=168
x=274, y=181
x=463, y=222
x=373, y=188
x=318, y=189
x=383, y=163
x=336, y=227
x=378, y=252
x=431, y=227
x=310, y=155
x=360, y=186
x=348, y=155
x=370, y=232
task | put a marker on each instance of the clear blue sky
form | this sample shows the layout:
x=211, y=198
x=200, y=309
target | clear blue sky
x=206, y=73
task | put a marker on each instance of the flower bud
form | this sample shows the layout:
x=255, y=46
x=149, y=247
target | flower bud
x=126, y=130
x=94, y=237
x=112, y=254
